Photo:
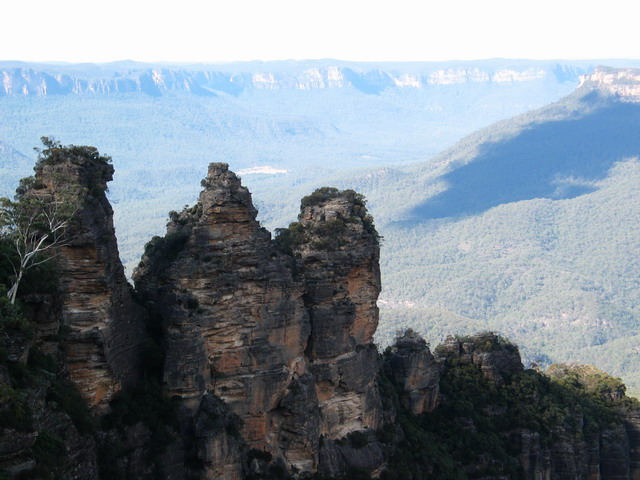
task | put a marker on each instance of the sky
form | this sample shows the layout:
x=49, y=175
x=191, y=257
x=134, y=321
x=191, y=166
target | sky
x=371, y=30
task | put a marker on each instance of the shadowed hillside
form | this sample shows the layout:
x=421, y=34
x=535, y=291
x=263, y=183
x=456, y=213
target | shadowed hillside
x=558, y=159
x=527, y=227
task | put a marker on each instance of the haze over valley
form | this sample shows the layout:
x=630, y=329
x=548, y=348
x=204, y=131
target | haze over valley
x=526, y=226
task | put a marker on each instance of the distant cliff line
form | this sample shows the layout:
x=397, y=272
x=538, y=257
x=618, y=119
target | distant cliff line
x=20, y=79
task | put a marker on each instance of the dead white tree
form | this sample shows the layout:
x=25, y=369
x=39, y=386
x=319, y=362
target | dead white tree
x=36, y=225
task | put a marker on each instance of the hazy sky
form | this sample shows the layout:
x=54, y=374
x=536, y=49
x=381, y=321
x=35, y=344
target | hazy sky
x=212, y=30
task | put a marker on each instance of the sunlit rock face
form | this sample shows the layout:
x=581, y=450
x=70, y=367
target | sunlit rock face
x=214, y=80
x=105, y=328
x=340, y=265
x=284, y=341
x=267, y=348
x=234, y=319
x=622, y=82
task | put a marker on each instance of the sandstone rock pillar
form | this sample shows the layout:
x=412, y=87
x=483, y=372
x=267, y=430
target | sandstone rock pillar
x=340, y=264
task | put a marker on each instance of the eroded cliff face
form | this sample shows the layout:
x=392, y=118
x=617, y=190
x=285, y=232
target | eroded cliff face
x=339, y=260
x=573, y=444
x=268, y=356
x=104, y=328
x=56, y=80
x=622, y=82
x=284, y=342
x=234, y=322
x=85, y=335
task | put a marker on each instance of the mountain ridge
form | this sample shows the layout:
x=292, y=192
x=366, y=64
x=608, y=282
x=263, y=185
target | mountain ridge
x=503, y=246
x=43, y=79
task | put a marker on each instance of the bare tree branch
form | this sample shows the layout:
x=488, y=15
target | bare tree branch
x=38, y=226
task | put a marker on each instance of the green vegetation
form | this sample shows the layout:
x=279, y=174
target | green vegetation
x=28, y=382
x=31, y=229
x=336, y=226
x=324, y=194
x=320, y=196
x=37, y=375
x=12, y=322
x=604, y=389
x=39, y=222
x=541, y=246
x=55, y=153
x=161, y=144
x=162, y=251
x=323, y=234
x=487, y=342
x=162, y=148
x=551, y=266
x=474, y=432
x=287, y=239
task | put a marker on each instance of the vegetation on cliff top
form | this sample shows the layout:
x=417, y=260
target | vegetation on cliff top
x=38, y=222
x=324, y=234
x=56, y=153
x=555, y=243
x=477, y=430
x=472, y=434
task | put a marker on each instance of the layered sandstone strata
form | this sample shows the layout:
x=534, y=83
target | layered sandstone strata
x=285, y=342
x=339, y=260
x=621, y=82
x=104, y=328
x=234, y=320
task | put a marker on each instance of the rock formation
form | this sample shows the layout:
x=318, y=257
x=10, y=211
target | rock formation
x=622, y=82
x=339, y=261
x=233, y=317
x=285, y=343
x=579, y=446
x=89, y=330
x=47, y=80
x=105, y=329
x=496, y=358
x=412, y=366
x=268, y=367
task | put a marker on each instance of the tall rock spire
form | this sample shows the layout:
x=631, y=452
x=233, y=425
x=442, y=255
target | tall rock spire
x=235, y=323
x=105, y=328
x=283, y=340
x=339, y=260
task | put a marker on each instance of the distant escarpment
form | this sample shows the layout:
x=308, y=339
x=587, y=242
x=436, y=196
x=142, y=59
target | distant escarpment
x=19, y=79
x=621, y=82
x=239, y=356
